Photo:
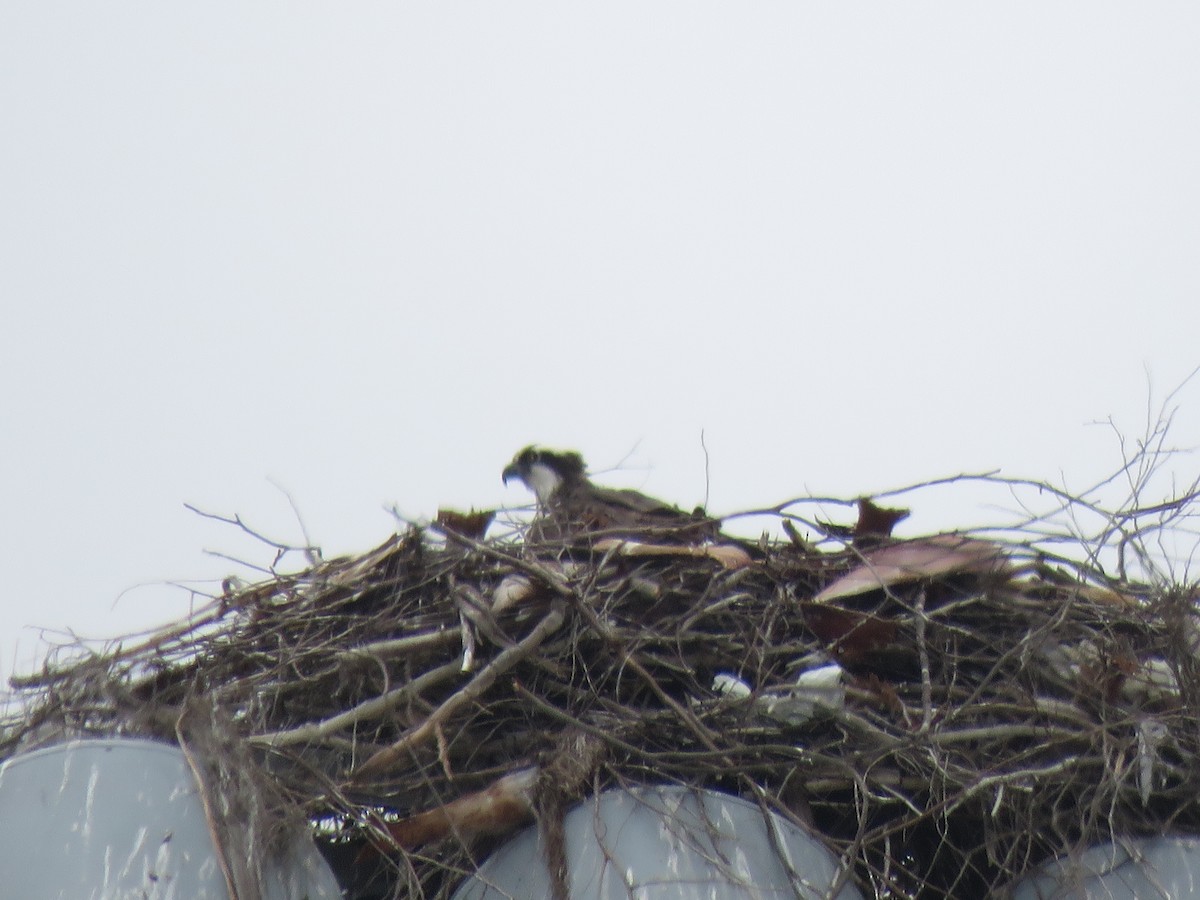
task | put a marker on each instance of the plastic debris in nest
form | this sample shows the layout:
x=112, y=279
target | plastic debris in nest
x=820, y=689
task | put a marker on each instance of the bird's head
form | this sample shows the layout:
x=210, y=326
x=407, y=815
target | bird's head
x=545, y=471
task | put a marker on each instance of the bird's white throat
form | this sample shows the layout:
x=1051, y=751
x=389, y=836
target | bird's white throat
x=543, y=481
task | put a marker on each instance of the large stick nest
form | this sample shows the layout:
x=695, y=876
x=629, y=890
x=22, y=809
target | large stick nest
x=994, y=710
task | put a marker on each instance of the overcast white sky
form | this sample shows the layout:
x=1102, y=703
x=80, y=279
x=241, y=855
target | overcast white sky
x=369, y=250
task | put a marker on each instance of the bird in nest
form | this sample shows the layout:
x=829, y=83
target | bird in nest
x=570, y=505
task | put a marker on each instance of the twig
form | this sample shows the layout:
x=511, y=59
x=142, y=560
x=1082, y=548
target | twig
x=393, y=648
x=371, y=709
x=386, y=758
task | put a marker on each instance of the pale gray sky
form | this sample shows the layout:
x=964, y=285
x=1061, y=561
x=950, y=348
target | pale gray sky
x=369, y=250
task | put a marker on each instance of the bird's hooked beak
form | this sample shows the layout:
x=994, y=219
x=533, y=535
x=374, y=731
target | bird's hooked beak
x=536, y=473
x=521, y=465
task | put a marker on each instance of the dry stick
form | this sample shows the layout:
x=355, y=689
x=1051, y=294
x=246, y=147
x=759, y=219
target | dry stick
x=210, y=816
x=1027, y=776
x=926, y=680
x=371, y=709
x=237, y=521
x=387, y=757
x=999, y=732
x=203, y=616
x=402, y=645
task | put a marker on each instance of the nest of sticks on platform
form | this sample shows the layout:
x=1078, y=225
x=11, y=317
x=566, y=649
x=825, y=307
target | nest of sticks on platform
x=944, y=713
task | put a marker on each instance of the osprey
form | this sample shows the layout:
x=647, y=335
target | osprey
x=569, y=504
